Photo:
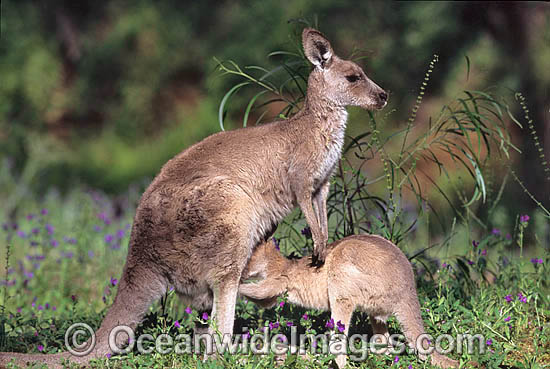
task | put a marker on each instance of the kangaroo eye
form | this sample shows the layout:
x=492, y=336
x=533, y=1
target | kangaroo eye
x=353, y=78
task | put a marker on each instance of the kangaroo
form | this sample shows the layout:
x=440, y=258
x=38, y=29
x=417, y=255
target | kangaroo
x=365, y=271
x=199, y=220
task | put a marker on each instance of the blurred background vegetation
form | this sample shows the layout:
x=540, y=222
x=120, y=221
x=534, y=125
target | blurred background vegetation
x=103, y=93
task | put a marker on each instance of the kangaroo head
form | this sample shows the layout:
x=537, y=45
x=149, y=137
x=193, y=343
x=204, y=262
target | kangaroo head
x=340, y=81
x=265, y=261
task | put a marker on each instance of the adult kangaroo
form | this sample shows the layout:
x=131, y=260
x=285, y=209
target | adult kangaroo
x=199, y=220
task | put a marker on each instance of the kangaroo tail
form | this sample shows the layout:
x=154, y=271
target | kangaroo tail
x=136, y=291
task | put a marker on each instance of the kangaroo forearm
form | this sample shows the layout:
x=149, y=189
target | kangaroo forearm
x=262, y=290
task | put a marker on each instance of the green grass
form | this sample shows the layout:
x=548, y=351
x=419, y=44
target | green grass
x=457, y=299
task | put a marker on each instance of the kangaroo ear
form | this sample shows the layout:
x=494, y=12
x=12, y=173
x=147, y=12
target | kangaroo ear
x=317, y=48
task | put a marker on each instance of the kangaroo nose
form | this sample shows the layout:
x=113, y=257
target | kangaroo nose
x=383, y=96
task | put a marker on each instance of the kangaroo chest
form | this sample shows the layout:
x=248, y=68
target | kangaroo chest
x=333, y=141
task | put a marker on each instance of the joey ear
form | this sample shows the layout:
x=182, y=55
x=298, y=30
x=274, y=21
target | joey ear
x=317, y=48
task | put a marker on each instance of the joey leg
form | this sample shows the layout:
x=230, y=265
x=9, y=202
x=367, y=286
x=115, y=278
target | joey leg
x=341, y=312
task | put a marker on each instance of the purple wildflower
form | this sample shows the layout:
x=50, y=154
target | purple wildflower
x=205, y=316
x=282, y=303
x=97, y=228
x=305, y=317
x=330, y=324
x=507, y=319
x=341, y=326
x=90, y=254
x=484, y=252
x=113, y=281
x=306, y=232
x=40, y=307
x=522, y=298
x=188, y=310
x=489, y=342
x=54, y=243
x=470, y=262
x=410, y=366
x=177, y=324
x=35, y=231
x=475, y=243
x=108, y=238
x=19, y=310
x=444, y=265
x=120, y=233
x=21, y=234
x=246, y=335
x=495, y=231
x=73, y=297
x=289, y=324
x=273, y=326
x=508, y=236
x=40, y=348
x=49, y=228
x=44, y=212
x=536, y=261
x=54, y=308
x=30, y=216
x=396, y=360
x=47, y=305
x=508, y=298
x=524, y=218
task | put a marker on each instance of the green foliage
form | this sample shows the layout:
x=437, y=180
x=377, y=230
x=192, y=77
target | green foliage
x=463, y=293
x=473, y=281
x=119, y=74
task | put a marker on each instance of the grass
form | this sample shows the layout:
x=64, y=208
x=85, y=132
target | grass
x=65, y=256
